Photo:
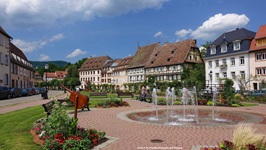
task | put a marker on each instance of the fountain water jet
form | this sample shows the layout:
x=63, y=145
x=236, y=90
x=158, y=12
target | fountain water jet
x=154, y=101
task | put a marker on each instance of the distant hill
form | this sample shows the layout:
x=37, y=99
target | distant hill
x=41, y=64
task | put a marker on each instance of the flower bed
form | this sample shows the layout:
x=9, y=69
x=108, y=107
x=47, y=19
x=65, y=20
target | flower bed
x=112, y=102
x=58, y=131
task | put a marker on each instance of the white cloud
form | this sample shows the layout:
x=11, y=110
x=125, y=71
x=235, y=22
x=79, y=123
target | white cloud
x=44, y=57
x=218, y=24
x=34, y=45
x=76, y=53
x=158, y=34
x=29, y=13
x=182, y=33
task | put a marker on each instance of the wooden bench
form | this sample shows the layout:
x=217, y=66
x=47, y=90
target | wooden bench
x=125, y=94
x=98, y=94
x=48, y=107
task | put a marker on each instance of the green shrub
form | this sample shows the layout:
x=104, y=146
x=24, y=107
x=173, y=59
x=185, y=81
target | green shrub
x=209, y=103
x=61, y=132
x=112, y=102
x=238, y=97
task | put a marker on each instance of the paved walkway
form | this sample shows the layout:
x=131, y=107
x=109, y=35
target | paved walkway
x=13, y=104
x=130, y=135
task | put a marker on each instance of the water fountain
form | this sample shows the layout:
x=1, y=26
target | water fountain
x=154, y=101
x=190, y=115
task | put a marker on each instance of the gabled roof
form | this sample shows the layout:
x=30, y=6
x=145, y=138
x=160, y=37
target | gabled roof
x=260, y=34
x=238, y=34
x=169, y=54
x=4, y=32
x=142, y=55
x=60, y=74
x=94, y=63
x=242, y=35
x=123, y=64
x=19, y=58
x=50, y=74
x=108, y=63
x=14, y=49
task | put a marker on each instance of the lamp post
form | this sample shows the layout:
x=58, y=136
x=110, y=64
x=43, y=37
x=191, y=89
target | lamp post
x=46, y=90
x=210, y=74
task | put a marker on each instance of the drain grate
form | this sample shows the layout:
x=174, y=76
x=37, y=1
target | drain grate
x=156, y=141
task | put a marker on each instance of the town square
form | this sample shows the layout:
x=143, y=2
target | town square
x=134, y=75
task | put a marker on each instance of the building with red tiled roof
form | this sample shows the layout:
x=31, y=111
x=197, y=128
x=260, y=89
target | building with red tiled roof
x=167, y=61
x=257, y=55
x=120, y=72
x=60, y=75
x=22, y=73
x=49, y=76
x=4, y=58
x=136, y=68
x=91, y=70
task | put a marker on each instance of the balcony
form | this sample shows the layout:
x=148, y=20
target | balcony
x=223, y=67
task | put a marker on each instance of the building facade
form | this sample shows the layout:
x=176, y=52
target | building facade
x=136, y=68
x=22, y=73
x=5, y=74
x=258, y=58
x=167, y=63
x=91, y=70
x=228, y=57
x=120, y=75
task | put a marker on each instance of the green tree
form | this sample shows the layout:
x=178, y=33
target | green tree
x=80, y=62
x=205, y=46
x=72, y=71
x=228, y=90
x=73, y=82
x=197, y=76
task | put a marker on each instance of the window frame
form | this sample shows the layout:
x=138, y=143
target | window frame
x=223, y=48
x=236, y=45
x=213, y=49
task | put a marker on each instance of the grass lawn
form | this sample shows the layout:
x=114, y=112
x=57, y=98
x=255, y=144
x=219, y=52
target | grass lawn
x=246, y=104
x=15, y=127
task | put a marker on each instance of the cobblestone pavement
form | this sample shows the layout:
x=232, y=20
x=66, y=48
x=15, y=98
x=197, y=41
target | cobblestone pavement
x=131, y=135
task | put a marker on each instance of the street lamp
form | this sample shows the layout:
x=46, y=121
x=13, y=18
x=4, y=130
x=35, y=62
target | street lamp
x=46, y=90
x=211, y=79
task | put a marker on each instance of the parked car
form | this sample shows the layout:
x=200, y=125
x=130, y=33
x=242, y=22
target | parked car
x=32, y=91
x=26, y=92
x=37, y=90
x=15, y=92
x=4, y=92
x=258, y=93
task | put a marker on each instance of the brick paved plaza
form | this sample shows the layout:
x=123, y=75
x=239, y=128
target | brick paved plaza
x=131, y=135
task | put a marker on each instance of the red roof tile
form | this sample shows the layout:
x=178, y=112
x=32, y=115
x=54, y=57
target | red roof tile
x=123, y=64
x=260, y=34
x=94, y=63
x=169, y=54
x=143, y=55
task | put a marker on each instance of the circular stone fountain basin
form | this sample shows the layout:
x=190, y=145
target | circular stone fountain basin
x=203, y=117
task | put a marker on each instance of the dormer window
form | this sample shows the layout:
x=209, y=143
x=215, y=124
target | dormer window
x=223, y=48
x=236, y=45
x=151, y=62
x=169, y=59
x=173, y=52
x=156, y=54
x=213, y=50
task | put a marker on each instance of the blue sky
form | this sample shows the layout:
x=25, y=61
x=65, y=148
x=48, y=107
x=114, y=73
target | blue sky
x=70, y=30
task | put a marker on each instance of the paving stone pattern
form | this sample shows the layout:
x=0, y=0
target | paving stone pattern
x=130, y=135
